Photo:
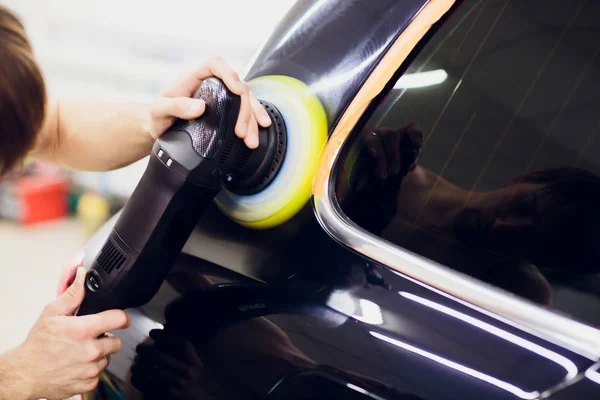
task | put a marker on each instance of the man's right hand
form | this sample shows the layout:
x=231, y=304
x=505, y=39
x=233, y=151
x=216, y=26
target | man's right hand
x=63, y=354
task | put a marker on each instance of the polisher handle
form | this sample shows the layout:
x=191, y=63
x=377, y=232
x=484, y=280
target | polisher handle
x=182, y=177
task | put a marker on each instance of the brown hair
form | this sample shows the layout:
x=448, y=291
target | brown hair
x=22, y=93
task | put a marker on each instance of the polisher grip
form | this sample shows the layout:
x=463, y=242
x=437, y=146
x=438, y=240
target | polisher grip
x=182, y=177
x=147, y=238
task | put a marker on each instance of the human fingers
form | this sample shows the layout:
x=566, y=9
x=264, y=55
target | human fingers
x=109, y=345
x=94, y=350
x=245, y=126
x=251, y=139
x=68, y=302
x=261, y=115
x=177, y=107
x=95, y=325
x=189, y=81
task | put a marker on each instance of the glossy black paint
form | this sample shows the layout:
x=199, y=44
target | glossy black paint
x=300, y=316
x=333, y=45
x=505, y=185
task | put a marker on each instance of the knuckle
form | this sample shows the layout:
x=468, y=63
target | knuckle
x=75, y=331
x=155, y=109
x=48, y=310
x=93, y=351
x=71, y=291
x=182, y=108
x=91, y=384
x=216, y=60
x=93, y=371
x=49, y=324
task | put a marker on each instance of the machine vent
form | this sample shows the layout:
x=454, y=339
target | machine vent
x=226, y=151
x=244, y=159
x=110, y=258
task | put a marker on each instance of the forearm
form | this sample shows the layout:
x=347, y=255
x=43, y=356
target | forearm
x=95, y=135
x=12, y=385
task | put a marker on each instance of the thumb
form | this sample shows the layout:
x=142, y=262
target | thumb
x=177, y=107
x=68, y=302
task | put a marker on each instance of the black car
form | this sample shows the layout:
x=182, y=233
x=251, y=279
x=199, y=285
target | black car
x=448, y=248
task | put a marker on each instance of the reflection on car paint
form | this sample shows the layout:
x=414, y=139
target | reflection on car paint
x=291, y=313
x=428, y=172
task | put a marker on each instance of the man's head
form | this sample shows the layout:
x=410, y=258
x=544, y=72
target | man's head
x=550, y=218
x=22, y=93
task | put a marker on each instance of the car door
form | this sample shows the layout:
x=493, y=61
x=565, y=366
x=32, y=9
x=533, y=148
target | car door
x=359, y=299
x=474, y=174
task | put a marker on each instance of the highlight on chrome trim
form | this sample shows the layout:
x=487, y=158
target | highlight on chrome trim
x=592, y=373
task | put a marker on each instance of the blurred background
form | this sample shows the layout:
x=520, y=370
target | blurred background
x=125, y=49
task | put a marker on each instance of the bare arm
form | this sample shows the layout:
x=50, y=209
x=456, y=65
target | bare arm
x=12, y=387
x=95, y=135
x=105, y=135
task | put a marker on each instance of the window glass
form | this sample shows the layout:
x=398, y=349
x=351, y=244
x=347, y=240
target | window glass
x=484, y=156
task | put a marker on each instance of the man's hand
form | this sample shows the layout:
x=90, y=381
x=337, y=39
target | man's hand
x=62, y=356
x=176, y=102
x=124, y=131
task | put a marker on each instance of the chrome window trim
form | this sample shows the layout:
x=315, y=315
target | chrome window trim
x=593, y=373
x=544, y=323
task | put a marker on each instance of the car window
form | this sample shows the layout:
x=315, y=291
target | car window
x=484, y=155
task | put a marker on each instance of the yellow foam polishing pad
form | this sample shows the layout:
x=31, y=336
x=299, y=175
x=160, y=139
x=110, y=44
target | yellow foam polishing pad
x=306, y=128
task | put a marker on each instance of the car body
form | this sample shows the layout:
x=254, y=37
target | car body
x=336, y=304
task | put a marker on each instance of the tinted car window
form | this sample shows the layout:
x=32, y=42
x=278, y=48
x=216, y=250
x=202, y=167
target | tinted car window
x=484, y=156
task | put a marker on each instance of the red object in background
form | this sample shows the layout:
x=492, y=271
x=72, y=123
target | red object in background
x=40, y=197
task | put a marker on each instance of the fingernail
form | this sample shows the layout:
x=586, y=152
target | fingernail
x=196, y=106
x=128, y=323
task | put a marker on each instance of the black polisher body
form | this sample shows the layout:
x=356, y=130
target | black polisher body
x=188, y=166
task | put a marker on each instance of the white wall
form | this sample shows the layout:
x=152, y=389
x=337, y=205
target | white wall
x=133, y=48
